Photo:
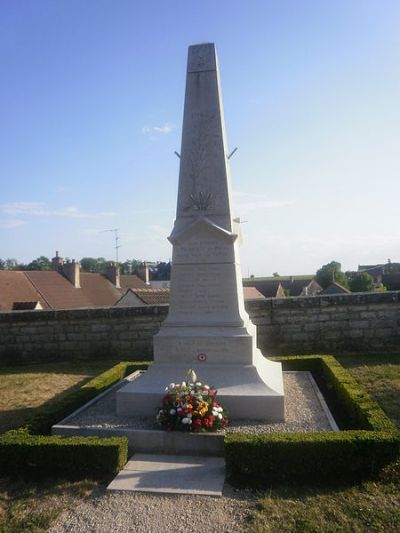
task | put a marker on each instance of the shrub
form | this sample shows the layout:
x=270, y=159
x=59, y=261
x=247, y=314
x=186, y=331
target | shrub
x=40, y=456
x=325, y=457
x=321, y=457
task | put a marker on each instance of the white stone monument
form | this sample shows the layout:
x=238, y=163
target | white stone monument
x=207, y=328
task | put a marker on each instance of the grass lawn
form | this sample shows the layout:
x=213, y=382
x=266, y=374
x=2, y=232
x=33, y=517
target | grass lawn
x=372, y=506
x=25, y=388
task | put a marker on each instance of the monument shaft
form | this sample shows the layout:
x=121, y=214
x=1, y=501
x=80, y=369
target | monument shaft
x=207, y=327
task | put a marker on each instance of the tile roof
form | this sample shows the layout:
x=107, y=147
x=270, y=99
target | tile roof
x=132, y=281
x=153, y=296
x=251, y=293
x=295, y=285
x=335, y=288
x=58, y=292
x=98, y=290
x=16, y=287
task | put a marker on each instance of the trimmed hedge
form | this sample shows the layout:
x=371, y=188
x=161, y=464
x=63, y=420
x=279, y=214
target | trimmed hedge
x=32, y=453
x=40, y=456
x=300, y=458
x=322, y=457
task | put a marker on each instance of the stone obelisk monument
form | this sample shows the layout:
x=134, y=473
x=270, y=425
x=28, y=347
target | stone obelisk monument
x=207, y=328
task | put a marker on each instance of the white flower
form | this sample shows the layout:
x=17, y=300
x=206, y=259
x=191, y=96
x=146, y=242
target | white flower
x=183, y=383
x=206, y=387
x=219, y=416
x=172, y=411
x=191, y=374
x=186, y=420
x=198, y=384
x=171, y=386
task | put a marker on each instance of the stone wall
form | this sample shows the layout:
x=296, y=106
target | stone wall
x=362, y=322
x=368, y=322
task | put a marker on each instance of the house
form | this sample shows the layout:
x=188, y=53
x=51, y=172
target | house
x=384, y=273
x=335, y=288
x=64, y=287
x=281, y=286
x=150, y=296
x=142, y=297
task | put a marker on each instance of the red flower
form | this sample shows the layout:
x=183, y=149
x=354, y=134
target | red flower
x=197, y=422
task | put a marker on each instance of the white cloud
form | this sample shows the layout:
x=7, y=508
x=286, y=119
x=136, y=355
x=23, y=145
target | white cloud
x=10, y=224
x=245, y=202
x=154, y=132
x=39, y=209
x=160, y=231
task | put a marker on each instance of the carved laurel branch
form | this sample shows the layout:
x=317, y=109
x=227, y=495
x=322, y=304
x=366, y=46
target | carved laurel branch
x=200, y=202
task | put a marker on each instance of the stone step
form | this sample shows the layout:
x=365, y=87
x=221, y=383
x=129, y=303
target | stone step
x=172, y=474
x=154, y=441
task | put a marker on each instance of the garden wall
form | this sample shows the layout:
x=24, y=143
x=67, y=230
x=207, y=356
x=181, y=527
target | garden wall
x=367, y=322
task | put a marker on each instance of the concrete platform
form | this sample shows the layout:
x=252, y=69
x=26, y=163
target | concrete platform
x=172, y=474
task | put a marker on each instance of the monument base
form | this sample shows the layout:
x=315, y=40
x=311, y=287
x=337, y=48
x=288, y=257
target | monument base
x=253, y=391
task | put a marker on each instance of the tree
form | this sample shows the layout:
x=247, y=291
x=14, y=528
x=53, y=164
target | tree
x=276, y=275
x=162, y=272
x=331, y=272
x=11, y=264
x=2, y=264
x=362, y=282
x=91, y=264
x=129, y=266
x=41, y=263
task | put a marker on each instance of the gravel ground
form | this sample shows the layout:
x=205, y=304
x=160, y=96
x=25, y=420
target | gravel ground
x=303, y=412
x=123, y=512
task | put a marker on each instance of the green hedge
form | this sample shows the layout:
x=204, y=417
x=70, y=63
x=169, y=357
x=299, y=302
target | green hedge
x=302, y=458
x=40, y=456
x=32, y=453
x=320, y=457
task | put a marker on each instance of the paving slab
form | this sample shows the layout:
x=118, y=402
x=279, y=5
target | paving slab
x=172, y=474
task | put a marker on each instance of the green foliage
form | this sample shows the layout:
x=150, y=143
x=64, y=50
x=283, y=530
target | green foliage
x=161, y=272
x=41, y=263
x=362, y=282
x=331, y=272
x=130, y=266
x=91, y=264
x=322, y=457
x=327, y=458
x=39, y=456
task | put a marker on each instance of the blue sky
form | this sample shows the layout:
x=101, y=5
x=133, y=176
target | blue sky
x=91, y=111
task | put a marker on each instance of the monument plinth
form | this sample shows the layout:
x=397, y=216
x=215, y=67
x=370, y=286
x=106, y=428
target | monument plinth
x=207, y=328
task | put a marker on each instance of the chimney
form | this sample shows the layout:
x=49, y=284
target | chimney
x=144, y=273
x=57, y=263
x=71, y=271
x=112, y=273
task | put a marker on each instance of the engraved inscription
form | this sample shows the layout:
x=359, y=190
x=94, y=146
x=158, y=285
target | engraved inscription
x=202, y=250
x=202, y=291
